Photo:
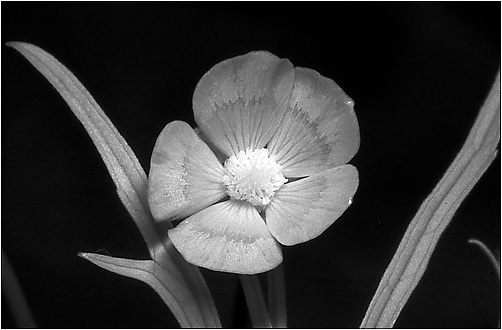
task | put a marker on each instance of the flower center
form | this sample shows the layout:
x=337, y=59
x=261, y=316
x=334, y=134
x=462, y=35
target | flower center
x=252, y=176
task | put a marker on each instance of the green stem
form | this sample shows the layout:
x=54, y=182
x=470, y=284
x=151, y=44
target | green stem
x=277, y=297
x=255, y=301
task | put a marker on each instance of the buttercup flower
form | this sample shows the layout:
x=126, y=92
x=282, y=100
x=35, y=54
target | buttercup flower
x=268, y=165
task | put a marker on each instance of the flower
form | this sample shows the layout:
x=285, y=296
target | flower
x=268, y=167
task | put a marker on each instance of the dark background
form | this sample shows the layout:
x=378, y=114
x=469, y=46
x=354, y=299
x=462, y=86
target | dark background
x=418, y=73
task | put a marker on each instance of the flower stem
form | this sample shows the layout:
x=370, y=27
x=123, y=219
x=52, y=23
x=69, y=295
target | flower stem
x=255, y=301
x=277, y=297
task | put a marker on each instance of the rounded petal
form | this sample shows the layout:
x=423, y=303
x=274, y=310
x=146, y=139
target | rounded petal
x=239, y=103
x=229, y=236
x=319, y=129
x=303, y=209
x=185, y=175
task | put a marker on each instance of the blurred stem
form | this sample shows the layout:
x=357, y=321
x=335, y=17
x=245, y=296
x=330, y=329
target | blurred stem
x=277, y=297
x=491, y=257
x=14, y=295
x=488, y=253
x=255, y=301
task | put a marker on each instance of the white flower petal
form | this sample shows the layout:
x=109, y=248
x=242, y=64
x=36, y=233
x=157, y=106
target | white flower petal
x=319, y=129
x=185, y=175
x=229, y=236
x=303, y=209
x=239, y=103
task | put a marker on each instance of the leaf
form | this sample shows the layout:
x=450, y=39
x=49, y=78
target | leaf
x=415, y=250
x=122, y=164
x=131, y=182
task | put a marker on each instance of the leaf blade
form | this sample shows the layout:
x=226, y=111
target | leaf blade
x=418, y=243
x=123, y=166
x=127, y=175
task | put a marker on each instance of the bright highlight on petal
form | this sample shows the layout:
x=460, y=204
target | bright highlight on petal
x=303, y=209
x=239, y=103
x=229, y=236
x=319, y=129
x=253, y=177
x=185, y=175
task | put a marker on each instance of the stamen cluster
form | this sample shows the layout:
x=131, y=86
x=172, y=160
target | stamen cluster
x=252, y=176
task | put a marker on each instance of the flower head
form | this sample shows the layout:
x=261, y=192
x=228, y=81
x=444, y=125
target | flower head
x=268, y=167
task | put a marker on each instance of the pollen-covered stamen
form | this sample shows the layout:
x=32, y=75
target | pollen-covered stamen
x=252, y=176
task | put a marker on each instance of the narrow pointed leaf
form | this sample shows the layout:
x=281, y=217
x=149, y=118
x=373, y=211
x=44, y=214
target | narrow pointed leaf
x=124, y=167
x=128, y=176
x=418, y=243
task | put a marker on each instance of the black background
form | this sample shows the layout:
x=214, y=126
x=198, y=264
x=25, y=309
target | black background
x=418, y=73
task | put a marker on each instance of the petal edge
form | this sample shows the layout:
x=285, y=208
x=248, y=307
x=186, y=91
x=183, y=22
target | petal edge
x=185, y=175
x=319, y=129
x=239, y=102
x=304, y=209
x=229, y=236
